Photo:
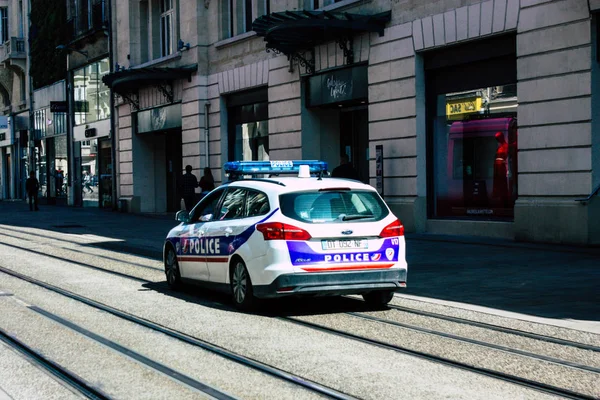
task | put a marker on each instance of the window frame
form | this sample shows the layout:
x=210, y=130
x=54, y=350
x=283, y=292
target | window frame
x=243, y=212
x=258, y=192
x=195, y=214
x=4, y=32
x=166, y=49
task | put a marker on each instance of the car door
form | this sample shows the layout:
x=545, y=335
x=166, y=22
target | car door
x=222, y=231
x=193, y=248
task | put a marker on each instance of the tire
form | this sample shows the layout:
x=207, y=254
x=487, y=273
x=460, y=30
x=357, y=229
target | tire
x=242, y=293
x=379, y=298
x=172, y=269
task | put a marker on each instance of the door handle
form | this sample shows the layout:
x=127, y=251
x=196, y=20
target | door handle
x=228, y=231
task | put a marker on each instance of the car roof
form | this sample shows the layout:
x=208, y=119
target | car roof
x=287, y=184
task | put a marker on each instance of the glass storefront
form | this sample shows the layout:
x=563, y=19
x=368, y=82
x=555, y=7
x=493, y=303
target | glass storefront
x=92, y=104
x=96, y=173
x=91, y=95
x=472, y=123
x=89, y=173
x=475, y=153
x=249, y=127
x=51, y=155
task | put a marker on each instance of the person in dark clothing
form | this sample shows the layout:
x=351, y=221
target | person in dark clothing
x=189, y=183
x=32, y=185
x=345, y=169
x=207, y=182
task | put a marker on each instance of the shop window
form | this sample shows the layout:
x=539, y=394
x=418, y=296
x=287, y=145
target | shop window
x=475, y=153
x=248, y=134
x=472, y=133
x=91, y=95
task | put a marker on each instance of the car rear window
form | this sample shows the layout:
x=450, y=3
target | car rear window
x=333, y=205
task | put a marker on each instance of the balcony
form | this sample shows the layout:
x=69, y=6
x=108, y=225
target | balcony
x=12, y=53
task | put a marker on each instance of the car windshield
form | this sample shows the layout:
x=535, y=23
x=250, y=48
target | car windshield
x=333, y=206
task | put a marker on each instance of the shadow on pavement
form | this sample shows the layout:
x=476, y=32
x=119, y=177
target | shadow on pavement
x=538, y=280
x=283, y=307
x=544, y=283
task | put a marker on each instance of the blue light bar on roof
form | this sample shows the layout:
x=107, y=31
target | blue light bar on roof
x=237, y=168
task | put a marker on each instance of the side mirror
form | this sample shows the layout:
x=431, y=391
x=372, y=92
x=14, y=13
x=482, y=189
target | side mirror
x=182, y=216
x=206, y=218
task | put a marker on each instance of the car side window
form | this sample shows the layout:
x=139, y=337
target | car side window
x=233, y=204
x=257, y=203
x=206, y=208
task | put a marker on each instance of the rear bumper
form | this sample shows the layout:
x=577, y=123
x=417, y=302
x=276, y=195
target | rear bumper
x=332, y=283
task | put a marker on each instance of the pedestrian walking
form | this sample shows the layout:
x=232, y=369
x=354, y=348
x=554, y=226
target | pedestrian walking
x=207, y=182
x=345, y=169
x=189, y=183
x=87, y=181
x=32, y=186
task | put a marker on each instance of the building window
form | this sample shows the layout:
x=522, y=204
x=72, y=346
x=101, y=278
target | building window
x=263, y=7
x=40, y=123
x=91, y=95
x=167, y=27
x=3, y=24
x=472, y=132
x=21, y=21
x=248, y=136
x=238, y=15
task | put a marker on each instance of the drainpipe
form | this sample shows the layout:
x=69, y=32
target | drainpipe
x=206, y=108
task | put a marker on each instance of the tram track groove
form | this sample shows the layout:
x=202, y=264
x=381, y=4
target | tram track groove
x=78, y=244
x=464, y=321
x=497, y=328
x=215, y=349
x=484, y=371
x=58, y=372
x=156, y=366
x=477, y=342
x=81, y=264
x=407, y=326
x=542, y=387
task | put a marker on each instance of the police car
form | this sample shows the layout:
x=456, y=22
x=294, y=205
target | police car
x=305, y=234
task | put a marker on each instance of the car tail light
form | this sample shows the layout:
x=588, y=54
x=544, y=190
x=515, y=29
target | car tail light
x=280, y=231
x=394, y=229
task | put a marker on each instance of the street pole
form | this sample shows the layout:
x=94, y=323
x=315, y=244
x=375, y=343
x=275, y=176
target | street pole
x=113, y=131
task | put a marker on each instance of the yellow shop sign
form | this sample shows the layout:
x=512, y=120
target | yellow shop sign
x=456, y=108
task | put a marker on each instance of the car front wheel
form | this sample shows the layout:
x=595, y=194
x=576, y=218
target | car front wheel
x=241, y=286
x=172, y=269
x=379, y=298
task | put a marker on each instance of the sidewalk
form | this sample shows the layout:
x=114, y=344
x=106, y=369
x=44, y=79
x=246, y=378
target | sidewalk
x=551, y=281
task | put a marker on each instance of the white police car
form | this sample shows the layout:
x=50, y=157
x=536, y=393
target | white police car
x=299, y=235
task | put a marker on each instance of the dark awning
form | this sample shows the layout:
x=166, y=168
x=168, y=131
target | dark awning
x=292, y=31
x=128, y=80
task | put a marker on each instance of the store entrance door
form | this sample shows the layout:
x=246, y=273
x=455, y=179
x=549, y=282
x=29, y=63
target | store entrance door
x=354, y=139
x=174, y=167
x=105, y=172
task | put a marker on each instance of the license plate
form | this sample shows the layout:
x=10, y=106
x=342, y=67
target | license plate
x=341, y=244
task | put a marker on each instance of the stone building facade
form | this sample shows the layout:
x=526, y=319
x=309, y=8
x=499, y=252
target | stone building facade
x=15, y=154
x=471, y=117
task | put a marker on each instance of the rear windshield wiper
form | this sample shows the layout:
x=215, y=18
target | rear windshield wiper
x=358, y=216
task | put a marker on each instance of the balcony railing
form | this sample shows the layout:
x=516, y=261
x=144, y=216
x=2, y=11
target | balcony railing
x=14, y=48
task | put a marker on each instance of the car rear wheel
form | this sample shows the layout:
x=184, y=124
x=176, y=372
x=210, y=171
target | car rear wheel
x=172, y=269
x=241, y=286
x=379, y=298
